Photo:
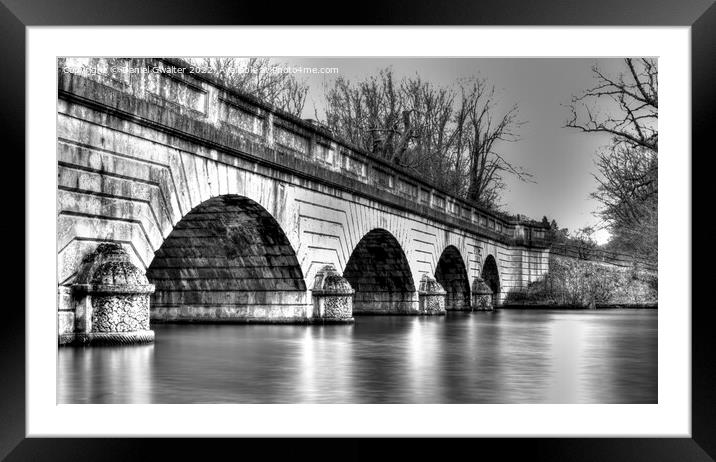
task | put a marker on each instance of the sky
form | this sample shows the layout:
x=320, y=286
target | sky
x=560, y=159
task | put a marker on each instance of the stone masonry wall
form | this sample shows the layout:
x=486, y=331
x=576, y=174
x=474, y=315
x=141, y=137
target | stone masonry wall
x=228, y=259
x=582, y=283
x=380, y=274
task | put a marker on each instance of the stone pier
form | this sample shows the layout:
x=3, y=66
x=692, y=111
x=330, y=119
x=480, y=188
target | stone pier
x=332, y=297
x=111, y=297
x=431, y=296
x=482, y=296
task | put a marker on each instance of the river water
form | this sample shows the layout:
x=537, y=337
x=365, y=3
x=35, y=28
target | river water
x=506, y=356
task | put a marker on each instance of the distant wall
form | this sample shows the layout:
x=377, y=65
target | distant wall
x=572, y=282
x=599, y=255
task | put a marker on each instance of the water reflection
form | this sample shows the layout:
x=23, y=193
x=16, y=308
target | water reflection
x=509, y=356
x=105, y=375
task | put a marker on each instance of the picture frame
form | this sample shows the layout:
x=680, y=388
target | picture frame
x=701, y=16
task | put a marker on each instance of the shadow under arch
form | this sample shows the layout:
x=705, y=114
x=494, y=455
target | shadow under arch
x=379, y=272
x=451, y=273
x=491, y=276
x=227, y=260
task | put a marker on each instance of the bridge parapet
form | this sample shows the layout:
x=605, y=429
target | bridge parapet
x=197, y=102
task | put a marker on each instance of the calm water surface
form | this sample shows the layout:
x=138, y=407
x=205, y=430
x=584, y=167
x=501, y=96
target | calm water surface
x=508, y=356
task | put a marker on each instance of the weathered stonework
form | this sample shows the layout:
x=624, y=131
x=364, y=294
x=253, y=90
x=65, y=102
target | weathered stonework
x=65, y=317
x=227, y=261
x=482, y=296
x=112, y=300
x=332, y=296
x=120, y=313
x=380, y=274
x=575, y=283
x=451, y=273
x=337, y=308
x=431, y=296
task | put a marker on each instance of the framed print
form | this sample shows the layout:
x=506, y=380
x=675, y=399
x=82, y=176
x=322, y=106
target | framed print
x=392, y=230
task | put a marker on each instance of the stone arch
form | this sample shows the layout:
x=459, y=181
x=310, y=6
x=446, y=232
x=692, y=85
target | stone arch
x=380, y=274
x=491, y=276
x=451, y=273
x=227, y=260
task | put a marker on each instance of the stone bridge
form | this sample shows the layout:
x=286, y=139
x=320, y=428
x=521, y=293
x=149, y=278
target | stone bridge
x=236, y=211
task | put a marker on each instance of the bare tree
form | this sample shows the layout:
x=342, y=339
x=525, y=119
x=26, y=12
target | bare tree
x=374, y=114
x=583, y=241
x=426, y=141
x=626, y=107
x=632, y=116
x=628, y=191
x=448, y=135
x=262, y=78
x=485, y=129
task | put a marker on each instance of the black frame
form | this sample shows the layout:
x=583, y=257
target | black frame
x=15, y=15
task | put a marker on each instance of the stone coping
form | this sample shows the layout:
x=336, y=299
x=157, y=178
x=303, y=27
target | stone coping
x=107, y=338
x=114, y=288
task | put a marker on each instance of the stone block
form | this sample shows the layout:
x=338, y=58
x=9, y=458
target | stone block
x=431, y=297
x=111, y=300
x=64, y=299
x=482, y=296
x=65, y=322
x=482, y=302
x=332, y=296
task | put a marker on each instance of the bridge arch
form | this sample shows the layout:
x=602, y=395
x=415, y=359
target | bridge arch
x=451, y=273
x=491, y=275
x=380, y=274
x=227, y=259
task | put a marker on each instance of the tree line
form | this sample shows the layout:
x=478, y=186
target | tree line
x=449, y=135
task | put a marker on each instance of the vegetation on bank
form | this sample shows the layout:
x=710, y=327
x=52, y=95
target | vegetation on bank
x=586, y=284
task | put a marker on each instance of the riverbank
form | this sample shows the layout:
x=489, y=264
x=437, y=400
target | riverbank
x=598, y=306
x=583, y=284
